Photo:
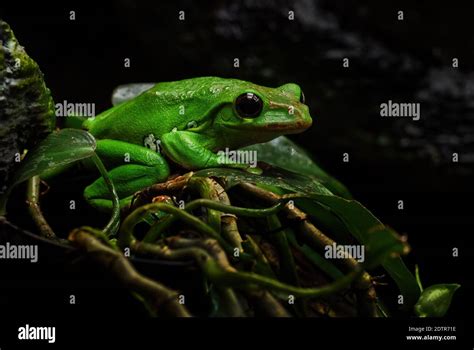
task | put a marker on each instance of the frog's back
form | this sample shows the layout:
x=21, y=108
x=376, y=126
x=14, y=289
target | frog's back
x=165, y=107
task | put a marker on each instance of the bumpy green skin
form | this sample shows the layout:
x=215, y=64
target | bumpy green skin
x=187, y=121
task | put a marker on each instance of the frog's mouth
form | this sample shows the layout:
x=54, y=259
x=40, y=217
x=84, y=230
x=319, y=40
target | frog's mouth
x=290, y=127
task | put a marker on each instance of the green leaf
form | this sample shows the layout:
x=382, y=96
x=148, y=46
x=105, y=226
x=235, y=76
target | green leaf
x=380, y=241
x=368, y=230
x=325, y=219
x=273, y=177
x=435, y=300
x=285, y=154
x=57, y=150
x=382, y=245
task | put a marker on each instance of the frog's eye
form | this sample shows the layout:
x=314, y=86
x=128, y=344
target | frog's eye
x=248, y=105
x=302, y=98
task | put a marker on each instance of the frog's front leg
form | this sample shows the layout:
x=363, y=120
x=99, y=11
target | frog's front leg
x=194, y=151
x=133, y=168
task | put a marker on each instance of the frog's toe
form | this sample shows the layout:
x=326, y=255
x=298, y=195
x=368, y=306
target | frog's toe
x=254, y=170
x=106, y=205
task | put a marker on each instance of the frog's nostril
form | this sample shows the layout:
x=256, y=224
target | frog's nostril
x=291, y=89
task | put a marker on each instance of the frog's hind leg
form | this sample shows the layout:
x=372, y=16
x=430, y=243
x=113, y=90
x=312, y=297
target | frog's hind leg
x=133, y=168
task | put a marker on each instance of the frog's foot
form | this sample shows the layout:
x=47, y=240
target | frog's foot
x=127, y=180
x=133, y=168
x=254, y=170
x=106, y=205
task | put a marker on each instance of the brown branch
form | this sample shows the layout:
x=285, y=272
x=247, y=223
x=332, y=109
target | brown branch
x=225, y=223
x=267, y=303
x=35, y=210
x=162, y=300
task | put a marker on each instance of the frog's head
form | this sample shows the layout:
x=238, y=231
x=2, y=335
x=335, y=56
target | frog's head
x=255, y=114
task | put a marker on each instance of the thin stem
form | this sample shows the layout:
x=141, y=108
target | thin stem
x=226, y=224
x=230, y=231
x=287, y=262
x=112, y=226
x=155, y=231
x=99, y=234
x=227, y=296
x=32, y=195
x=4, y=200
x=249, y=212
x=221, y=276
x=206, y=188
x=238, y=278
x=418, y=279
x=126, y=237
x=262, y=266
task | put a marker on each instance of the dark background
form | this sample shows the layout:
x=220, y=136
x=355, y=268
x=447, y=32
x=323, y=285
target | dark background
x=405, y=61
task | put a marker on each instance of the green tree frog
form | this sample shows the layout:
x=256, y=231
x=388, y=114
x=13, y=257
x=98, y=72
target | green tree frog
x=187, y=122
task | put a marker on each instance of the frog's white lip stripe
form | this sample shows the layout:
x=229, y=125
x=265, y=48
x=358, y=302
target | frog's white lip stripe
x=286, y=127
x=276, y=105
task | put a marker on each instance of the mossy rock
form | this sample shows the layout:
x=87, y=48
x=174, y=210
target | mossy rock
x=26, y=106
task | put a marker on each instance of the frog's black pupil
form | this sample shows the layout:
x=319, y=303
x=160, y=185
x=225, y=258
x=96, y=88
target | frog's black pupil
x=248, y=105
x=302, y=99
